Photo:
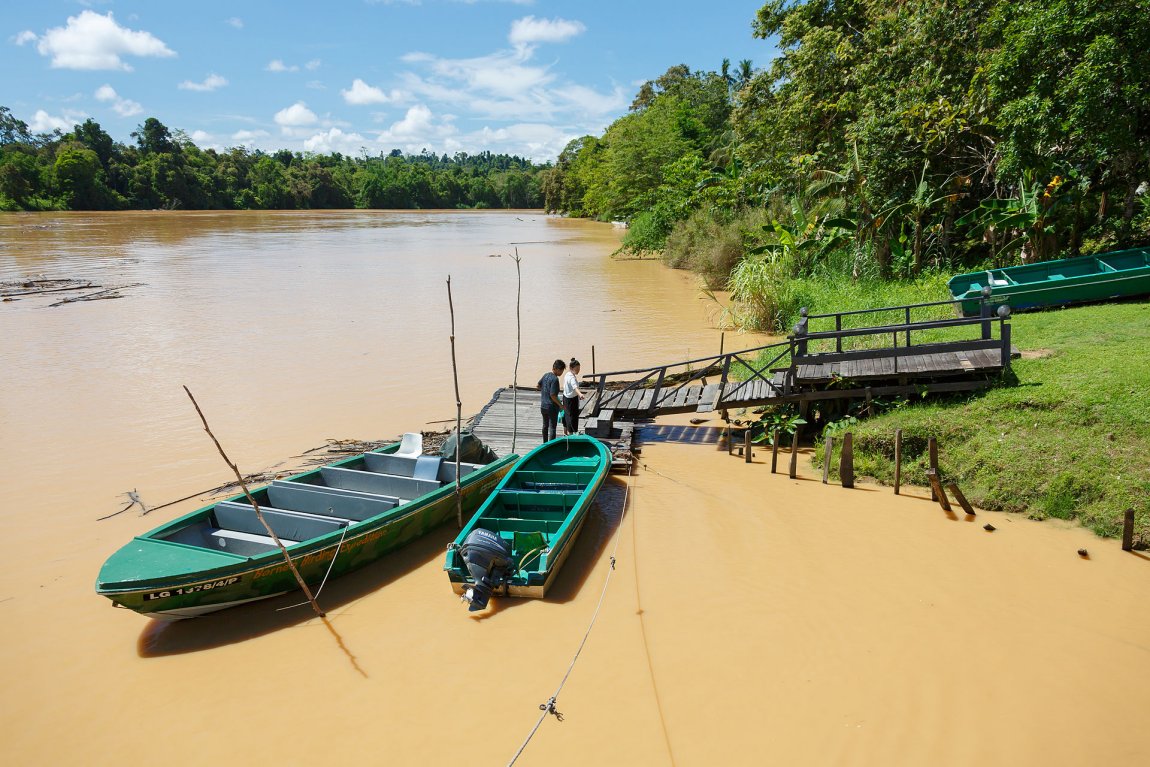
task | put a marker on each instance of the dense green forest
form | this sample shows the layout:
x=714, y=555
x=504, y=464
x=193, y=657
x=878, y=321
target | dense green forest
x=886, y=138
x=87, y=170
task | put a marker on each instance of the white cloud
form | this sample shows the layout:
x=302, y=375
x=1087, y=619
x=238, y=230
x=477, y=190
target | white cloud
x=201, y=137
x=335, y=140
x=248, y=136
x=360, y=93
x=295, y=116
x=313, y=65
x=123, y=107
x=277, y=65
x=210, y=83
x=42, y=122
x=235, y=21
x=92, y=41
x=26, y=36
x=530, y=30
x=415, y=122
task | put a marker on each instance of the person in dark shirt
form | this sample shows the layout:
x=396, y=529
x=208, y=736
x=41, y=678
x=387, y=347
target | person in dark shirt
x=549, y=403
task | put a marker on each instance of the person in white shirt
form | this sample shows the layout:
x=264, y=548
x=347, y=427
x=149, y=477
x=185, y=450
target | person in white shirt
x=571, y=397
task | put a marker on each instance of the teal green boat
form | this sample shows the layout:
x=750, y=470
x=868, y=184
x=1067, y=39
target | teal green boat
x=524, y=532
x=332, y=520
x=1119, y=274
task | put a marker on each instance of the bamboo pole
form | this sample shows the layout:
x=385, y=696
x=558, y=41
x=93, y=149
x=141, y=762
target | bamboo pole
x=518, y=344
x=259, y=514
x=794, y=472
x=828, y=448
x=958, y=496
x=747, y=444
x=775, y=452
x=1128, y=530
x=847, y=461
x=458, y=411
x=897, y=459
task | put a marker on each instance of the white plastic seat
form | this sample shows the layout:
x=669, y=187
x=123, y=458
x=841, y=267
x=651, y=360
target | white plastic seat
x=411, y=445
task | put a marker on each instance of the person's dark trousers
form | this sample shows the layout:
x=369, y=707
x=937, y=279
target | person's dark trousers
x=550, y=422
x=571, y=414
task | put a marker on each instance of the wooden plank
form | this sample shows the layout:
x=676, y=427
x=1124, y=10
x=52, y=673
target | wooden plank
x=707, y=398
x=693, y=396
x=680, y=397
x=647, y=400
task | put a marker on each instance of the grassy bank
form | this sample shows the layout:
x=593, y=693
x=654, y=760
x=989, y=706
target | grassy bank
x=1066, y=436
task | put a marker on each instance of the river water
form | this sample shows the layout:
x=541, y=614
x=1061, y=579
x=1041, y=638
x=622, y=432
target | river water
x=752, y=619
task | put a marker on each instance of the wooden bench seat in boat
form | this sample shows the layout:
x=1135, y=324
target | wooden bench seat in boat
x=328, y=501
x=404, y=488
x=293, y=525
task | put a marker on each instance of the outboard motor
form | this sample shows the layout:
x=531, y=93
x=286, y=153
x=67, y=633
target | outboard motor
x=487, y=558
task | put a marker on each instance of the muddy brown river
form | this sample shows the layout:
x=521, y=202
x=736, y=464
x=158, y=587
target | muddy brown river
x=751, y=619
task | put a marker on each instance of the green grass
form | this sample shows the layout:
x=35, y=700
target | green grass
x=1067, y=435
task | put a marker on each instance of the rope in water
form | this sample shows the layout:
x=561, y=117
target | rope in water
x=325, y=575
x=549, y=706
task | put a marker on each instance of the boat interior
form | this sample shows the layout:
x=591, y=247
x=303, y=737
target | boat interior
x=1063, y=269
x=319, y=502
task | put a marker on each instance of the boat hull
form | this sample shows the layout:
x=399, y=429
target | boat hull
x=268, y=575
x=561, y=536
x=1107, y=276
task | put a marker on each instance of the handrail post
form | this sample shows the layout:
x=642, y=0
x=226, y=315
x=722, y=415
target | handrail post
x=1004, y=332
x=658, y=389
x=599, y=395
x=985, y=313
x=801, y=331
x=838, y=329
x=907, y=325
x=723, y=380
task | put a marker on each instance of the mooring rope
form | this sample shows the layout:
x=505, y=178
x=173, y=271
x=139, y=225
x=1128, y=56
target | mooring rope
x=549, y=706
x=323, y=583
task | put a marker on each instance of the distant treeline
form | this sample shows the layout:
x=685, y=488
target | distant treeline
x=87, y=170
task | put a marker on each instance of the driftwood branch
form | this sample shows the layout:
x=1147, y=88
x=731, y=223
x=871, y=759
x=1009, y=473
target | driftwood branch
x=458, y=412
x=259, y=514
x=95, y=296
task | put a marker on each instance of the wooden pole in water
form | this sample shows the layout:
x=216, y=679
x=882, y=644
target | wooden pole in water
x=592, y=359
x=458, y=412
x=897, y=459
x=932, y=449
x=847, y=461
x=1128, y=530
x=775, y=452
x=747, y=444
x=828, y=448
x=730, y=446
x=794, y=472
x=259, y=514
x=958, y=496
x=722, y=338
x=936, y=489
x=515, y=375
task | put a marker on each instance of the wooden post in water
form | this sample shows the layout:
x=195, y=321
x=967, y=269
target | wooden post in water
x=828, y=448
x=775, y=452
x=722, y=338
x=747, y=444
x=458, y=412
x=847, y=461
x=514, y=375
x=958, y=496
x=730, y=446
x=932, y=450
x=1128, y=530
x=897, y=459
x=936, y=489
x=794, y=472
x=592, y=360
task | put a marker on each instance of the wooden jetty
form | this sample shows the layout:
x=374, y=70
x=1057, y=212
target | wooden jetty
x=908, y=356
x=513, y=417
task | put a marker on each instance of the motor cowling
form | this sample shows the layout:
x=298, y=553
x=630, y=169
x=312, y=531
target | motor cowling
x=488, y=560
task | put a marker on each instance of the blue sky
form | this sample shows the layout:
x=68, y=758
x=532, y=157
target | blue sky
x=516, y=76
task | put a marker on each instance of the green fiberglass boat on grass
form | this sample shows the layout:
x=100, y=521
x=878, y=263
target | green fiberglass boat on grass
x=1119, y=274
x=526, y=529
x=332, y=520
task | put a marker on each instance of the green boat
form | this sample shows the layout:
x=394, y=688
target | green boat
x=525, y=531
x=1119, y=274
x=332, y=520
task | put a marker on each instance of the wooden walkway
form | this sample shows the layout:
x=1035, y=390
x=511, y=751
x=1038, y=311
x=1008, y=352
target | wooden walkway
x=908, y=357
x=509, y=421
